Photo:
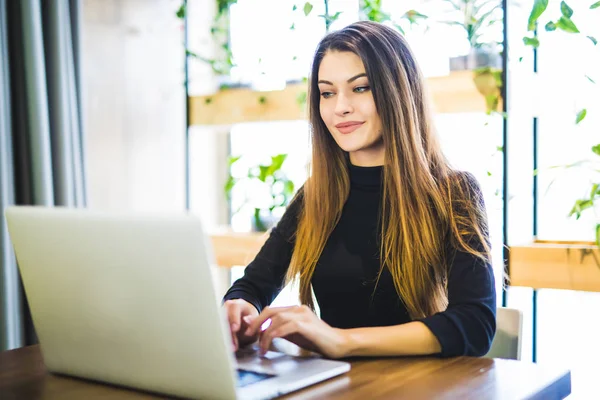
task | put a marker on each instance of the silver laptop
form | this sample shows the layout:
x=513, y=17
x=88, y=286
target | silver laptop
x=128, y=299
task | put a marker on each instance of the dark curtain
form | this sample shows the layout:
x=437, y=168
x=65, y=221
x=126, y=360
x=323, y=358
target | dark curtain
x=41, y=131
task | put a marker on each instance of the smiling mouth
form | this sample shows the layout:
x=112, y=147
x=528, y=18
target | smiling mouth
x=348, y=127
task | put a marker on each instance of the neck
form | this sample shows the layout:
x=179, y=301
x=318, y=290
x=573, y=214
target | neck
x=365, y=158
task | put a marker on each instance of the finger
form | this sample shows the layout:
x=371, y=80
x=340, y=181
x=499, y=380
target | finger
x=247, y=319
x=282, y=330
x=277, y=320
x=234, y=315
x=235, y=341
x=267, y=313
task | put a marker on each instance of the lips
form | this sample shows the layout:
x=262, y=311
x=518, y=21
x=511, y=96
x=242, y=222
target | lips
x=348, y=127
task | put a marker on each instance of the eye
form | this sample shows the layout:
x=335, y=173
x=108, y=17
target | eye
x=326, y=95
x=361, y=89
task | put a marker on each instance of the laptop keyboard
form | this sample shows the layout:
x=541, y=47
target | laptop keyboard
x=250, y=377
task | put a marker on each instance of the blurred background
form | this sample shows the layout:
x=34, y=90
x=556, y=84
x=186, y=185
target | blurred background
x=199, y=105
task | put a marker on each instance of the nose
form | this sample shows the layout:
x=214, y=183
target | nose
x=343, y=105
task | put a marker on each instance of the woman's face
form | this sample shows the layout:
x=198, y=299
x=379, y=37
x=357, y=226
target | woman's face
x=348, y=109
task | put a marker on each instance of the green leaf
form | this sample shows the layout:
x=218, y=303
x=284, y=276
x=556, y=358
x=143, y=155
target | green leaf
x=566, y=10
x=307, y=8
x=258, y=222
x=190, y=53
x=335, y=16
x=289, y=187
x=301, y=98
x=223, y=5
x=550, y=27
x=589, y=78
x=294, y=8
x=231, y=181
x=329, y=19
x=276, y=163
x=413, y=16
x=566, y=25
x=598, y=235
x=539, y=6
x=231, y=160
x=596, y=149
x=580, y=116
x=499, y=148
x=593, y=39
x=181, y=11
x=264, y=172
x=595, y=5
x=580, y=206
x=594, y=191
x=534, y=42
x=400, y=29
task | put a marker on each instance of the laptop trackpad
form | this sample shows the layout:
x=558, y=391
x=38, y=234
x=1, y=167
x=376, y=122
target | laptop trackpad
x=249, y=377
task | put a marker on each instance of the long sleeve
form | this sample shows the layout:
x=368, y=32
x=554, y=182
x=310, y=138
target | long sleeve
x=264, y=277
x=468, y=325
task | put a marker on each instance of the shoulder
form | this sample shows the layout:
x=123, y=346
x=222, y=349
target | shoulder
x=288, y=224
x=463, y=179
x=464, y=186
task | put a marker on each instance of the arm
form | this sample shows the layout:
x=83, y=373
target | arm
x=413, y=338
x=466, y=327
x=264, y=276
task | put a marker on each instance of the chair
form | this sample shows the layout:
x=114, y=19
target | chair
x=509, y=332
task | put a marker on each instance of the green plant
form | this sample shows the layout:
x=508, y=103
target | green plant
x=589, y=202
x=273, y=180
x=372, y=10
x=475, y=17
x=488, y=82
x=566, y=24
x=220, y=32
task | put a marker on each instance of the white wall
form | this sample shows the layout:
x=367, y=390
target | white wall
x=134, y=104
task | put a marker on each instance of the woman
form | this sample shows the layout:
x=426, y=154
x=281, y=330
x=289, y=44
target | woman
x=392, y=240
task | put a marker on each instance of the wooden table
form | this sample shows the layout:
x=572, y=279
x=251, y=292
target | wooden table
x=23, y=376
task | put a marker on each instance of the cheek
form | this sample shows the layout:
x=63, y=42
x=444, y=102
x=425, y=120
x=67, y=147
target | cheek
x=325, y=114
x=375, y=118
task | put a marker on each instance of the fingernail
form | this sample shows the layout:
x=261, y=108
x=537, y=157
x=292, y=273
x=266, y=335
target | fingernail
x=248, y=319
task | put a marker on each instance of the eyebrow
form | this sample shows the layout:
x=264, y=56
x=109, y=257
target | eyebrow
x=355, y=77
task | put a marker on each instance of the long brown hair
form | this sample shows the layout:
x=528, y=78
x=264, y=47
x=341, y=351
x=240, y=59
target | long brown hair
x=426, y=205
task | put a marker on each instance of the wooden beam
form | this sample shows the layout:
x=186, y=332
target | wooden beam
x=233, y=106
x=556, y=266
x=547, y=265
x=454, y=93
x=236, y=249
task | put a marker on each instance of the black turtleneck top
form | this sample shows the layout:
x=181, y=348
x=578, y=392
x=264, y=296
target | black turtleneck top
x=346, y=273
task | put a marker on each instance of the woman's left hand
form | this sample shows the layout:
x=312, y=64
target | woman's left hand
x=301, y=326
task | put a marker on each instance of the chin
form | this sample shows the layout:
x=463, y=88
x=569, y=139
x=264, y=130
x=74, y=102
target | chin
x=348, y=146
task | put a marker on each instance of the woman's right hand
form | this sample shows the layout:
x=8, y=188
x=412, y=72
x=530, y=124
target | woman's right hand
x=240, y=315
